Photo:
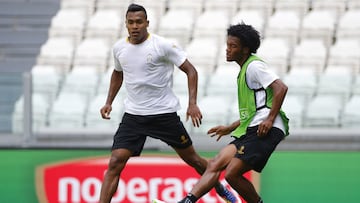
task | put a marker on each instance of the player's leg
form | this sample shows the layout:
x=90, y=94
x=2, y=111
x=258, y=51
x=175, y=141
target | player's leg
x=117, y=162
x=209, y=178
x=234, y=176
x=253, y=153
x=170, y=129
x=192, y=158
x=128, y=141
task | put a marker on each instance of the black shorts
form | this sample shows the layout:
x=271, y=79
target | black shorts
x=134, y=129
x=255, y=150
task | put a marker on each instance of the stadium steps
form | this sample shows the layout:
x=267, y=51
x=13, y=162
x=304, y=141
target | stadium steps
x=23, y=29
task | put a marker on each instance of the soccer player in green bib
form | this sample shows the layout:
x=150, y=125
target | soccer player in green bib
x=261, y=125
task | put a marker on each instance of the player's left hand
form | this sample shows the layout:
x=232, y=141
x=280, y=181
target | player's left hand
x=264, y=127
x=194, y=113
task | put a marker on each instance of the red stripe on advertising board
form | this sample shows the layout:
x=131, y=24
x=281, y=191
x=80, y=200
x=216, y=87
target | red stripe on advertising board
x=144, y=178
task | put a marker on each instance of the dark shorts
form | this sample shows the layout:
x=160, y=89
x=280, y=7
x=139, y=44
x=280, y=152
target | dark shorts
x=255, y=150
x=134, y=129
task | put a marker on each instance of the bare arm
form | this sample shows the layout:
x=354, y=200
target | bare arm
x=279, y=92
x=115, y=84
x=221, y=130
x=193, y=110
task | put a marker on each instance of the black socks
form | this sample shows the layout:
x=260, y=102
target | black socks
x=190, y=198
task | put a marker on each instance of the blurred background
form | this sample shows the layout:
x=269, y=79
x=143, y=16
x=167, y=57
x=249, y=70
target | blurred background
x=56, y=61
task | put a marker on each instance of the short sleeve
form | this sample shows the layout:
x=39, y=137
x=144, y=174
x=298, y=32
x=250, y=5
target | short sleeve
x=174, y=53
x=116, y=60
x=259, y=75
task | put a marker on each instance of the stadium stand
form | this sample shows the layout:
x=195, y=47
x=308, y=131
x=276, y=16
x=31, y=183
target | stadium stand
x=181, y=31
x=351, y=114
x=294, y=106
x=253, y=17
x=59, y=52
x=92, y=119
x=313, y=45
x=284, y=24
x=302, y=81
x=346, y=53
x=105, y=24
x=319, y=24
x=324, y=111
x=215, y=112
x=310, y=52
x=23, y=29
x=276, y=52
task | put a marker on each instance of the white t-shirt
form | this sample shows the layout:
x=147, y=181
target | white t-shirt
x=259, y=75
x=147, y=70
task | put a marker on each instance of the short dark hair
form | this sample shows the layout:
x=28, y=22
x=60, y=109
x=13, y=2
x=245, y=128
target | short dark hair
x=136, y=7
x=248, y=36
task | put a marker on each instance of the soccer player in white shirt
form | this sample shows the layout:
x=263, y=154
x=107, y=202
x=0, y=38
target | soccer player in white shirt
x=145, y=63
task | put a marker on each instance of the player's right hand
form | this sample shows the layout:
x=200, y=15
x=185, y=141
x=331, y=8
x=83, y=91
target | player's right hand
x=105, y=111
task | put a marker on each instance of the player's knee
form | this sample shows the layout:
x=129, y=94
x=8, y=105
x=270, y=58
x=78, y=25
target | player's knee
x=213, y=165
x=197, y=162
x=116, y=163
x=231, y=177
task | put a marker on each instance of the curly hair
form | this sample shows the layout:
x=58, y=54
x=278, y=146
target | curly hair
x=248, y=36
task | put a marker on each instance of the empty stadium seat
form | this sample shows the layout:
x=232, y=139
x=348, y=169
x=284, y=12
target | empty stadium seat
x=336, y=80
x=105, y=24
x=217, y=28
x=319, y=24
x=104, y=84
x=68, y=112
x=275, y=52
x=351, y=114
x=69, y=23
x=353, y=4
x=93, y=119
x=92, y=51
x=194, y=6
x=323, y=111
x=82, y=80
x=182, y=29
x=349, y=26
x=299, y=6
x=346, y=53
x=230, y=6
x=265, y=6
x=40, y=110
x=253, y=17
x=301, y=81
x=120, y=6
x=284, y=24
x=58, y=52
x=223, y=81
x=203, y=52
x=180, y=82
x=87, y=5
x=338, y=6
x=215, y=110
x=294, y=107
x=46, y=80
x=356, y=85
x=310, y=52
